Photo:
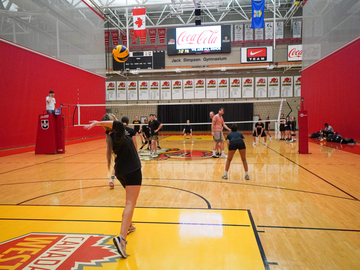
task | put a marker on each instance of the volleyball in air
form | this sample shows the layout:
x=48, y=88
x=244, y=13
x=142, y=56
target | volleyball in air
x=120, y=53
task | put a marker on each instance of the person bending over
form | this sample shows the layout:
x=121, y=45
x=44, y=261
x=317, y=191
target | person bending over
x=259, y=131
x=188, y=130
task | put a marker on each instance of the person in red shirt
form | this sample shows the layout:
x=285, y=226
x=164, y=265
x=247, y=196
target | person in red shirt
x=216, y=130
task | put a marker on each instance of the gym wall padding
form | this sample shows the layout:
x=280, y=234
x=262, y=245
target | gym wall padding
x=26, y=79
x=330, y=89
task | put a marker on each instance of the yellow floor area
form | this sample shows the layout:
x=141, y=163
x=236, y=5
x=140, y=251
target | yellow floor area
x=180, y=137
x=54, y=237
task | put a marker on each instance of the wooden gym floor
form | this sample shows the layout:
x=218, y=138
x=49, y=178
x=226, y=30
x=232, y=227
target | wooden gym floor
x=295, y=212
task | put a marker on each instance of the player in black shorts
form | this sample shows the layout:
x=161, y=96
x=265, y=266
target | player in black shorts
x=267, y=126
x=259, y=131
x=235, y=141
x=293, y=129
x=282, y=127
x=136, y=124
x=145, y=132
x=188, y=130
x=288, y=129
x=127, y=170
x=154, y=126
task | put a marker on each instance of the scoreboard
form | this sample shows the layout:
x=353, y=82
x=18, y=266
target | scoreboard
x=142, y=60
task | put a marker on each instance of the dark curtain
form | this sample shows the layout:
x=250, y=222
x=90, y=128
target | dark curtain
x=199, y=113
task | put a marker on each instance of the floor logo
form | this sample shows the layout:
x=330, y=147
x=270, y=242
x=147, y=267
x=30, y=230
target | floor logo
x=56, y=251
x=176, y=153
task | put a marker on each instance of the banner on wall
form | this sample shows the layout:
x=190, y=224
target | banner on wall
x=259, y=34
x=260, y=87
x=154, y=90
x=249, y=32
x=121, y=91
x=286, y=86
x=166, y=90
x=199, y=88
x=235, y=87
x=143, y=38
x=188, y=89
x=223, y=88
x=279, y=31
x=123, y=38
x=132, y=90
x=247, y=87
x=273, y=87
x=297, y=29
x=107, y=38
x=177, y=89
x=256, y=54
x=110, y=90
x=144, y=90
x=152, y=35
x=115, y=37
x=211, y=88
x=239, y=32
x=162, y=34
x=269, y=30
x=133, y=38
x=297, y=86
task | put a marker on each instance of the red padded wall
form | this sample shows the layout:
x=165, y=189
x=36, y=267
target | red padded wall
x=26, y=78
x=331, y=94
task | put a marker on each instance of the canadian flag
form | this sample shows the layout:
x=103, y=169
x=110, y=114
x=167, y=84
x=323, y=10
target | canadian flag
x=139, y=22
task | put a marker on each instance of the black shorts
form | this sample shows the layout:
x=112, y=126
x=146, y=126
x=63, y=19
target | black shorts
x=282, y=128
x=187, y=132
x=237, y=145
x=130, y=179
x=287, y=128
x=262, y=135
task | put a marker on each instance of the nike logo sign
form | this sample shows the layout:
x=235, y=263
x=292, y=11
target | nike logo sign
x=253, y=53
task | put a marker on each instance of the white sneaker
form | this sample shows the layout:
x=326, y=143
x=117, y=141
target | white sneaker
x=111, y=183
x=247, y=177
x=270, y=138
x=183, y=141
x=192, y=142
x=265, y=144
x=254, y=144
x=223, y=156
x=225, y=176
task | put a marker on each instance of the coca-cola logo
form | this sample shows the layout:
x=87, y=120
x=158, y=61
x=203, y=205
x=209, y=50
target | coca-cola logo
x=198, y=37
x=298, y=53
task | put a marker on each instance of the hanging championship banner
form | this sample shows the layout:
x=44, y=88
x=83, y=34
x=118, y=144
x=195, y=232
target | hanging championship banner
x=259, y=34
x=223, y=88
x=166, y=90
x=297, y=29
x=297, y=86
x=199, y=88
x=260, y=87
x=239, y=32
x=143, y=38
x=188, y=89
x=110, y=90
x=249, y=32
x=162, y=34
x=273, y=87
x=279, y=31
x=143, y=90
x=235, y=87
x=115, y=37
x=269, y=30
x=247, y=87
x=107, y=38
x=152, y=35
x=132, y=37
x=132, y=90
x=121, y=91
x=154, y=90
x=257, y=8
x=177, y=89
x=211, y=88
x=123, y=38
x=287, y=86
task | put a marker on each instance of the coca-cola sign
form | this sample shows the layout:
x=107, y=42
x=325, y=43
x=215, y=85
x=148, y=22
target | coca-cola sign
x=199, y=38
x=310, y=52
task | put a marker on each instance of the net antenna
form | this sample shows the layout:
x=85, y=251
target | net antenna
x=173, y=116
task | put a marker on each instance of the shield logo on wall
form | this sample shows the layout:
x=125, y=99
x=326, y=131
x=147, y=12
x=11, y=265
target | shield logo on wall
x=45, y=124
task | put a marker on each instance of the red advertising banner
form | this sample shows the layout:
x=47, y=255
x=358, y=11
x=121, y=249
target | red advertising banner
x=132, y=37
x=123, y=38
x=143, y=38
x=115, y=37
x=152, y=35
x=107, y=37
x=162, y=34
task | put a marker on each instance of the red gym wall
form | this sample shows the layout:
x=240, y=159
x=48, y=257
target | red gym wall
x=331, y=92
x=26, y=78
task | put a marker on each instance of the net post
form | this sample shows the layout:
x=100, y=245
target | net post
x=78, y=105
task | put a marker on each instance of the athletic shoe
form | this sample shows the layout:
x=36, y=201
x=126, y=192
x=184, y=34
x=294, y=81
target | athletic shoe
x=214, y=156
x=111, y=183
x=131, y=229
x=254, y=144
x=223, y=156
x=218, y=154
x=192, y=142
x=141, y=151
x=247, y=177
x=270, y=138
x=117, y=242
x=265, y=144
x=183, y=141
x=225, y=176
x=159, y=147
x=155, y=155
